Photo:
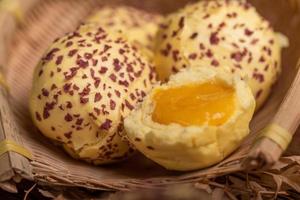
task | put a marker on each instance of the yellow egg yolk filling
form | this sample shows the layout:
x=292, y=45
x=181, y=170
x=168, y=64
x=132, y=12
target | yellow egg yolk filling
x=209, y=103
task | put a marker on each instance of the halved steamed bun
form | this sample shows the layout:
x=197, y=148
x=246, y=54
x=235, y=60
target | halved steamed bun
x=193, y=121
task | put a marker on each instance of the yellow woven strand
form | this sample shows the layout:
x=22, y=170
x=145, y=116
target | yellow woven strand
x=3, y=82
x=12, y=6
x=277, y=134
x=8, y=145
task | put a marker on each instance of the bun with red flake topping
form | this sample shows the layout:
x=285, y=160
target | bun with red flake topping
x=227, y=34
x=85, y=85
x=138, y=26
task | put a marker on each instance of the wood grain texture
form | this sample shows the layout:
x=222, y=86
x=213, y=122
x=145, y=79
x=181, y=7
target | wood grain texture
x=11, y=163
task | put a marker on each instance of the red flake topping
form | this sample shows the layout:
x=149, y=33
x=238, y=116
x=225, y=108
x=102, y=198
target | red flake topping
x=104, y=58
x=143, y=94
x=121, y=51
x=97, y=111
x=68, y=117
x=129, y=68
x=254, y=41
x=193, y=56
x=237, y=56
x=68, y=135
x=46, y=114
x=67, y=87
x=84, y=100
x=174, y=70
x=117, y=65
x=106, y=48
x=59, y=60
x=194, y=35
x=266, y=68
x=209, y=53
x=45, y=92
x=181, y=23
x=113, y=77
x=215, y=63
x=82, y=63
x=85, y=91
x=175, y=55
x=103, y=70
x=106, y=125
x=98, y=97
x=72, y=52
x=262, y=59
x=214, y=40
x=88, y=56
x=95, y=62
x=125, y=83
x=201, y=46
x=69, y=43
x=223, y=24
x=75, y=87
x=248, y=32
x=38, y=116
x=84, y=76
x=206, y=16
x=61, y=107
x=41, y=72
x=259, y=77
x=73, y=35
x=97, y=83
x=50, y=55
x=258, y=94
x=117, y=93
x=112, y=104
x=73, y=72
x=128, y=105
x=69, y=105
x=79, y=121
x=132, y=97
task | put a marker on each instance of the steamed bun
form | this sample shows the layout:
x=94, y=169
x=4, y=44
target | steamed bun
x=138, y=26
x=221, y=34
x=85, y=85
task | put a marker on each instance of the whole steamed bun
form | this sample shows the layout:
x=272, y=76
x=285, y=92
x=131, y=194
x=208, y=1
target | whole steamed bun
x=139, y=27
x=85, y=85
x=221, y=34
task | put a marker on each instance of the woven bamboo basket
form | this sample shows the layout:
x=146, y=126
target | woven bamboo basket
x=29, y=29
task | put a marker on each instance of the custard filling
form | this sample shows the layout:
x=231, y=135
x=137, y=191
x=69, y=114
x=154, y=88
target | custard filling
x=209, y=103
